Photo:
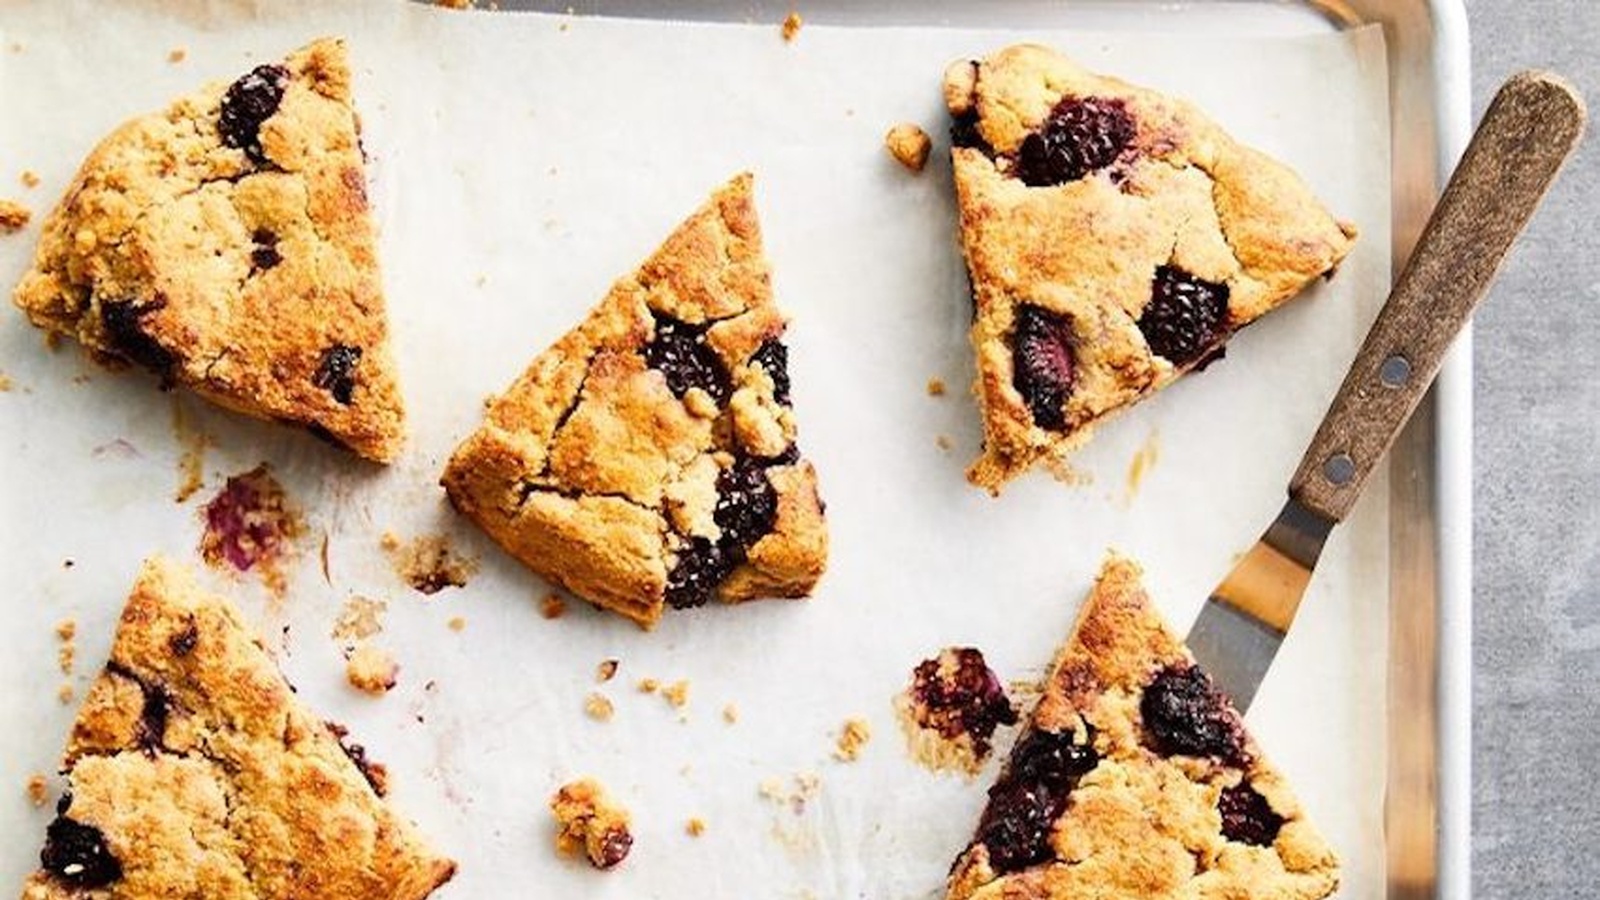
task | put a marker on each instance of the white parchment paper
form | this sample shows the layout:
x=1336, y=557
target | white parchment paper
x=522, y=162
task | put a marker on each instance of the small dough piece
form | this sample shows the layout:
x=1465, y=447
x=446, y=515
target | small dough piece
x=591, y=824
x=909, y=145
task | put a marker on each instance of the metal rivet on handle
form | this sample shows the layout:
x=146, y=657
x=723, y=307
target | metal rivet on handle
x=1339, y=468
x=1395, y=371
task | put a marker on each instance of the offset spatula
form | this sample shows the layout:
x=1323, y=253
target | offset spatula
x=1527, y=134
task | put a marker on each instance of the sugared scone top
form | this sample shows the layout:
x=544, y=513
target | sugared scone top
x=193, y=770
x=1137, y=780
x=225, y=244
x=1115, y=238
x=649, y=457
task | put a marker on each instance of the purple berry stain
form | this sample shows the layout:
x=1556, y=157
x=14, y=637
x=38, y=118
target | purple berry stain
x=250, y=525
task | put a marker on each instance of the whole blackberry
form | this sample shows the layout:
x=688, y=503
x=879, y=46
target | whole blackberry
x=700, y=568
x=1186, y=317
x=1043, y=363
x=1185, y=714
x=1246, y=816
x=1079, y=136
x=747, y=506
x=773, y=356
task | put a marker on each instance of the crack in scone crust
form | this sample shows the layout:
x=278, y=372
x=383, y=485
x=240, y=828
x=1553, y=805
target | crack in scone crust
x=1135, y=777
x=193, y=771
x=226, y=244
x=649, y=458
x=1078, y=193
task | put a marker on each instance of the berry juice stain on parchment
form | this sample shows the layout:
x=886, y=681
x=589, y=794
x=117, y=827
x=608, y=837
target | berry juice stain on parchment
x=250, y=526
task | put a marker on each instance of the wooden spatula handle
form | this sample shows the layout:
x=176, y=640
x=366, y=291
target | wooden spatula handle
x=1529, y=130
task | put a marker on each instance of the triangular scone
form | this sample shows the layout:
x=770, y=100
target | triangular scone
x=648, y=458
x=225, y=243
x=1136, y=780
x=1115, y=238
x=194, y=771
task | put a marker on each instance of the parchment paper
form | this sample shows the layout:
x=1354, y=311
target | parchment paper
x=520, y=163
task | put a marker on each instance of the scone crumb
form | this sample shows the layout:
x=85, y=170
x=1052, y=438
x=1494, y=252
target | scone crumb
x=852, y=738
x=65, y=693
x=935, y=387
x=606, y=671
x=677, y=693
x=30, y=178
x=791, y=25
x=371, y=670
x=457, y=623
x=590, y=823
x=13, y=216
x=552, y=606
x=909, y=145
x=599, y=707
x=428, y=563
x=648, y=685
x=359, y=619
x=730, y=714
x=67, y=629
x=177, y=55
x=38, y=789
x=695, y=826
x=5, y=383
x=943, y=442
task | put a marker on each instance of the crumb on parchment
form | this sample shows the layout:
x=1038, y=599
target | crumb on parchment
x=794, y=793
x=29, y=178
x=552, y=606
x=677, y=693
x=936, y=387
x=599, y=707
x=791, y=26
x=730, y=714
x=606, y=671
x=13, y=216
x=371, y=670
x=943, y=442
x=648, y=685
x=590, y=823
x=853, y=736
x=38, y=789
x=695, y=826
x=177, y=55
x=909, y=145
x=428, y=563
x=66, y=694
x=457, y=623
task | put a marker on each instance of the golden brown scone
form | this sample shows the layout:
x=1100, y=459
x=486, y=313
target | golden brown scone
x=1136, y=780
x=226, y=244
x=193, y=771
x=648, y=458
x=1115, y=238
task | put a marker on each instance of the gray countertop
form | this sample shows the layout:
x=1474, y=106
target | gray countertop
x=1536, y=660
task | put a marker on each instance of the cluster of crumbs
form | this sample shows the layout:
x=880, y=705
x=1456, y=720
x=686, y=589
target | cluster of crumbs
x=591, y=824
x=13, y=216
x=428, y=563
x=360, y=618
x=371, y=670
x=791, y=26
x=66, y=632
x=794, y=793
x=250, y=526
x=853, y=736
x=909, y=145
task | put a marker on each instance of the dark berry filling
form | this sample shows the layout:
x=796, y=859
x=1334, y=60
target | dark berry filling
x=1024, y=804
x=1078, y=137
x=773, y=356
x=153, y=717
x=246, y=522
x=376, y=775
x=964, y=133
x=124, y=325
x=679, y=351
x=76, y=853
x=250, y=101
x=1043, y=364
x=614, y=848
x=265, y=253
x=336, y=373
x=183, y=643
x=694, y=578
x=1247, y=817
x=1184, y=713
x=747, y=506
x=1186, y=317
x=969, y=700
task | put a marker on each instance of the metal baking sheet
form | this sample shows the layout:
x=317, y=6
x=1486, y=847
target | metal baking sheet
x=471, y=724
